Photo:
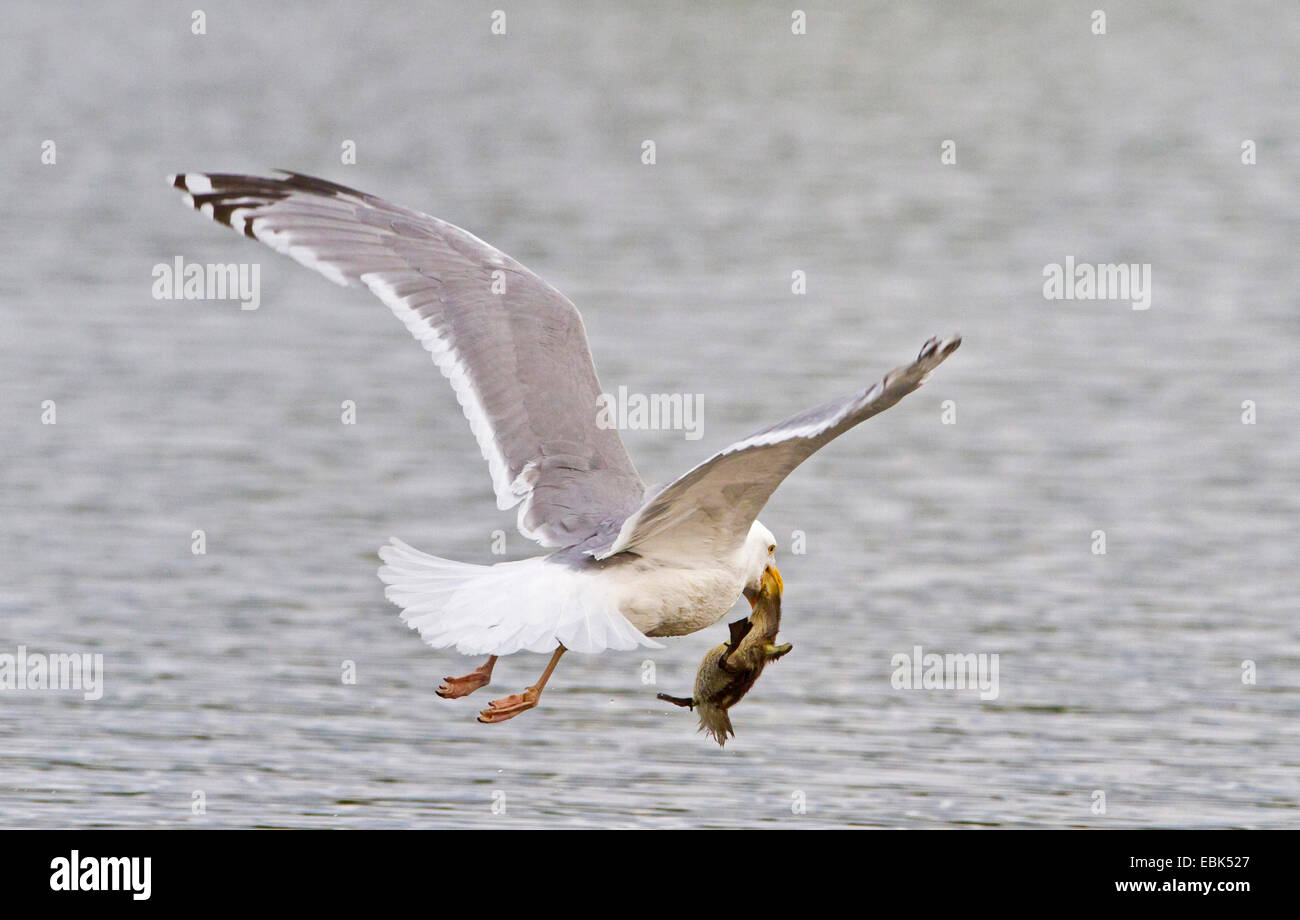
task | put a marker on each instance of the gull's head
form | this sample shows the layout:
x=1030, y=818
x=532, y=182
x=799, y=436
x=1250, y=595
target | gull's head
x=760, y=564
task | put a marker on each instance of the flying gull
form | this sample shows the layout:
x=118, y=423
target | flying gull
x=627, y=563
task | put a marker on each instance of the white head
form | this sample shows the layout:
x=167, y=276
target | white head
x=758, y=555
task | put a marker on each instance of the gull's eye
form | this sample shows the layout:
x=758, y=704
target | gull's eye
x=772, y=548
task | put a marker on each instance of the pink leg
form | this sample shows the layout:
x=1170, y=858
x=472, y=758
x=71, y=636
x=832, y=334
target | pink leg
x=510, y=706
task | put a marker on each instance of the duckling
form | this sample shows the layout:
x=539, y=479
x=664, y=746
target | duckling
x=729, y=670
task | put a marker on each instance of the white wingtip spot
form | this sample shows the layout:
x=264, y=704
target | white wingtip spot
x=197, y=183
x=237, y=219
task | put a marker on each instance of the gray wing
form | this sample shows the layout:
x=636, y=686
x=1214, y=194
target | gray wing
x=711, y=508
x=517, y=355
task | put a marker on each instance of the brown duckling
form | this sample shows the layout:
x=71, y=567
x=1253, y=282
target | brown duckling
x=729, y=670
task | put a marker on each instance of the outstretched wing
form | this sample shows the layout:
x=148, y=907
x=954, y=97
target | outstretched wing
x=513, y=347
x=710, y=509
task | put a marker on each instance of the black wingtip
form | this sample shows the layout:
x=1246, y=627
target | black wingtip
x=943, y=347
x=316, y=184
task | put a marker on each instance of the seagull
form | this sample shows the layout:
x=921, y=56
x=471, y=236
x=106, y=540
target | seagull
x=627, y=564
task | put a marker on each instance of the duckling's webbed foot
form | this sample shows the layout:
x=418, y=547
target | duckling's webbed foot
x=774, y=652
x=686, y=701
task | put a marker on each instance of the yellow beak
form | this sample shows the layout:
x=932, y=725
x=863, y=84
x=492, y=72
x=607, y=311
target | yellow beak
x=771, y=585
x=772, y=580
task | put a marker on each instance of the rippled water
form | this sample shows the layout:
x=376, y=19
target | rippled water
x=821, y=153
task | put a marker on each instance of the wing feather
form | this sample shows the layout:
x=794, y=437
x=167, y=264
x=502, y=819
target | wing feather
x=517, y=358
x=710, y=509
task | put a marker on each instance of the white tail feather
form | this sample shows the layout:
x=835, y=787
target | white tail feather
x=531, y=605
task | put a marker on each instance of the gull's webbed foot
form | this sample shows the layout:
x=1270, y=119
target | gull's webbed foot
x=453, y=688
x=510, y=706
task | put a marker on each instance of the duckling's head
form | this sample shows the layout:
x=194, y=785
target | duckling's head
x=761, y=575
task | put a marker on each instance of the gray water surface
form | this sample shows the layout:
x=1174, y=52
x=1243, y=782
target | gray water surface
x=1119, y=673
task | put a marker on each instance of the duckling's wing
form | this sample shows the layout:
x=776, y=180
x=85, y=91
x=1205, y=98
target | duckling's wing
x=739, y=630
x=712, y=507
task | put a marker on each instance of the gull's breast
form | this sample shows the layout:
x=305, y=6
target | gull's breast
x=661, y=599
